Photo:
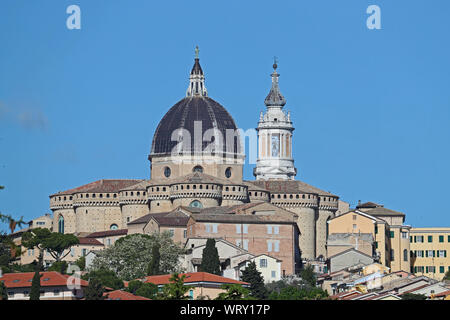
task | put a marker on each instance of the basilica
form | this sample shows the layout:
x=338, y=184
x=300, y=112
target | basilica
x=197, y=186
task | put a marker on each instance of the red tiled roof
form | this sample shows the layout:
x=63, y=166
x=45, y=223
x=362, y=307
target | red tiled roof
x=108, y=233
x=48, y=279
x=442, y=294
x=193, y=277
x=90, y=241
x=103, y=185
x=122, y=295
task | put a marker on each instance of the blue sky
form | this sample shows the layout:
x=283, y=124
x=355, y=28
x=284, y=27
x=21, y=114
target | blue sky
x=371, y=107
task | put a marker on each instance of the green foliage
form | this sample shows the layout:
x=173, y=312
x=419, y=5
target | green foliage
x=55, y=243
x=130, y=256
x=3, y=291
x=59, y=266
x=35, y=291
x=210, y=258
x=105, y=277
x=153, y=267
x=308, y=276
x=294, y=293
x=234, y=292
x=94, y=291
x=133, y=286
x=81, y=263
x=251, y=275
x=447, y=275
x=413, y=296
x=175, y=289
x=147, y=290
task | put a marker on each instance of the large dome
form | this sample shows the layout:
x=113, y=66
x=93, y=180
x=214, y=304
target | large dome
x=184, y=114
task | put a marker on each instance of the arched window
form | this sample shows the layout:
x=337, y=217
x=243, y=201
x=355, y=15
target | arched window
x=228, y=172
x=405, y=255
x=61, y=224
x=114, y=227
x=198, y=169
x=196, y=204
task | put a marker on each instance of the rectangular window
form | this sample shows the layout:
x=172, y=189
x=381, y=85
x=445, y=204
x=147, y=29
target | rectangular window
x=171, y=232
x=208, y=227
x=245, y=228
x=246, y=245
x=441, y=239
x=263, y=263
x=238, y=243
x=392, y=234
x=376, y=244
x=430, y=238
x=269, y=229
x=185, y=233
x=448, y=239
x=354, y=226
x=269, y=246
x=419, y=239
x=238, y=228
x=404, y=235
x=442, y=254
x=441, y=269
x=72, y=251
x=411, y=239
x=274, y=274
x=109, y=242
x=214, y=228
x=392, y=254
x=276, y=230
x=376, y=229
x=277, y=246
x=354, y=217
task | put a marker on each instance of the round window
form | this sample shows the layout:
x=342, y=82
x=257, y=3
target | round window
x=228, y=172
x=114, y=227
x=196, y=204
x=198, y=169
x=167, y=172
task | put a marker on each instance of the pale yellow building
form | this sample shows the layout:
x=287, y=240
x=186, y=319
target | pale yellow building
x=430, y=248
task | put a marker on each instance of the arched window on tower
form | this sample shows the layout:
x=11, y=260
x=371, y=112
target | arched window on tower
x=61, y=224
x=114, y=227
x=198, y=169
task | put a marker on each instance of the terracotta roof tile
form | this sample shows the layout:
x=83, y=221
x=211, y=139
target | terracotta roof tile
x=289, y=186
x=108, y=233
x=48, y=279
x=103, y=185
x=194, y=277
x=90, y=241
x=122, y=295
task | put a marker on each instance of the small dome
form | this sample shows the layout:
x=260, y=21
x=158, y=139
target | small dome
x=183, y=115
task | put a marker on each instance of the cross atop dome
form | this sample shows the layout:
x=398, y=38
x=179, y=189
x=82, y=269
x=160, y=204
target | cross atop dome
x=197, y=79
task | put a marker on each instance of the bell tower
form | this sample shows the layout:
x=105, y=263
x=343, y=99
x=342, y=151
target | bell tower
x=275, y=160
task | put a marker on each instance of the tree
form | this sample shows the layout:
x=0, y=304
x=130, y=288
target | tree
x=251, y=275
x=153, y=267
x=147, y=290
x=175, y=289
x=234, y=292
x=210, y=258
x=447, y=275
x=105, y=277
x=94, y=291
x=3, y=291
x=35, y=291
x=308, y=276
x=130, y=256
x=8, y=251
x=413, y=296
x=59, y=266
x=294, y=293
x=55, y=243
x=81, y=263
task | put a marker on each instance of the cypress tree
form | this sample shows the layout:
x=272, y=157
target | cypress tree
x=35, y=292
x=210, y=258
x=3, y=292
x=153, y=266
x=251, y=275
